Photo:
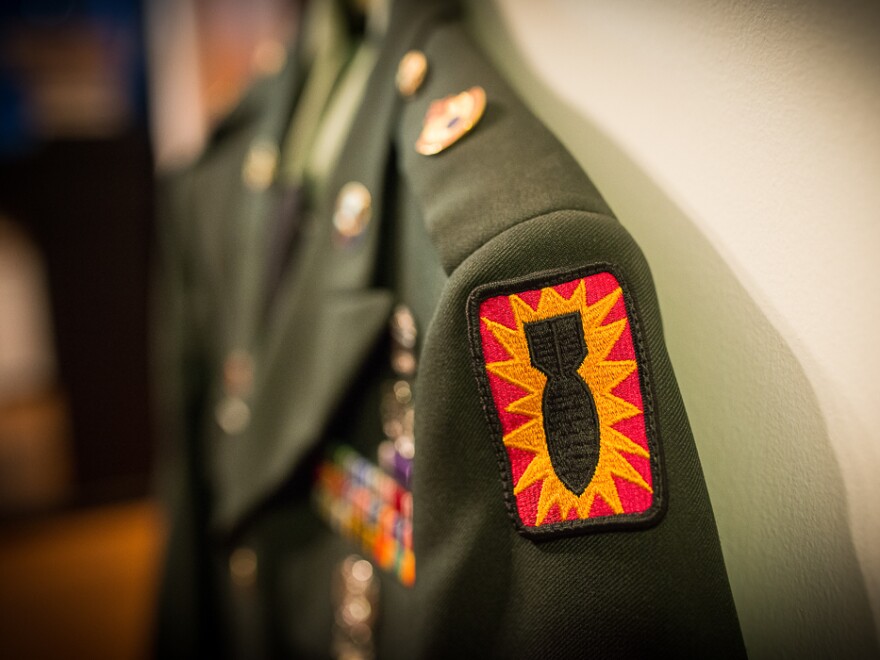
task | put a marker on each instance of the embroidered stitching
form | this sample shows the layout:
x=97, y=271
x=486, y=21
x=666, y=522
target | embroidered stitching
x=571, y=424
x=563, y=375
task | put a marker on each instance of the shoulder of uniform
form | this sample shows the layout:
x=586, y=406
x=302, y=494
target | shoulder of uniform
x=508, y=169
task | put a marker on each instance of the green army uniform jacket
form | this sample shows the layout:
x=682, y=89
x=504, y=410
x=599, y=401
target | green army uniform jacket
x=557, y=509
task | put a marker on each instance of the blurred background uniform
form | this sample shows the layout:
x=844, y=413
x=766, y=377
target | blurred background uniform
x=334, y=485
x=721, y=139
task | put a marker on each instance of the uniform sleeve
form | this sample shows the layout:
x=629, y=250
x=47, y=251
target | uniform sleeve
x=560, y=506
x=513, y=551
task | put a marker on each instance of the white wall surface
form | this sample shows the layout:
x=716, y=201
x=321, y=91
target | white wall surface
x=739, y=142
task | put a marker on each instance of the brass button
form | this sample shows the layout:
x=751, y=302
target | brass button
x=233, y=415
x=260, y=166
x=396, y=410
x=356, y=597
x=402, y=392
x=353, y=211
x=449, y=119
x=356, y=610
x=357, y=575
x=269, y=57
x=243, y=567
x=403, y=341
x=405, y=446
x=411, y=72
x=403, y=362
x=238, y=373
x=403, y=327
x=361, y=572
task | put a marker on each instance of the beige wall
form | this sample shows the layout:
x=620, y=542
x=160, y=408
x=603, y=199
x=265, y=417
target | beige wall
x=740, y=144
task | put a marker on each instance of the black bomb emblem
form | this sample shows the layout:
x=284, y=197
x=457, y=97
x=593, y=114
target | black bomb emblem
x=571, y=424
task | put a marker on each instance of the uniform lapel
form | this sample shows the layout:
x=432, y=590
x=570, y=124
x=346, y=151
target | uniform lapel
x=253, y=218
x=328, y=313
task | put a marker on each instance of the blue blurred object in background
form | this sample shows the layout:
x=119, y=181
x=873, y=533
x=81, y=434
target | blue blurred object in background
x=69, y=69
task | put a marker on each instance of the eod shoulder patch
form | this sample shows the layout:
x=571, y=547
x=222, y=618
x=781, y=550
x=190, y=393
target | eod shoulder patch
x=566, y=389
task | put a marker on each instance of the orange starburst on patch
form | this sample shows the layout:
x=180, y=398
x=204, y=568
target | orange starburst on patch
x=617, y=486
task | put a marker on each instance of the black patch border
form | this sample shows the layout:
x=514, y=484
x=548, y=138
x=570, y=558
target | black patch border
x=618, y=522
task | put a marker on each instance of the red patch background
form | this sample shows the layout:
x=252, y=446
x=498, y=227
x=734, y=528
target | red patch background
x=633, y=498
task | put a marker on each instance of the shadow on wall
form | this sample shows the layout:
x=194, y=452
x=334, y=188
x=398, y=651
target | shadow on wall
x=775, y=483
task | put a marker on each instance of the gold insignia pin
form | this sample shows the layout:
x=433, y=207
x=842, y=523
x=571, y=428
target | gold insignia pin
x=353, y=210
x=411, y=72
x=448, y=119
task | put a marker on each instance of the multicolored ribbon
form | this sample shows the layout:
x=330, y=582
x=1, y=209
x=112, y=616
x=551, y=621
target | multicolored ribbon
x=361, y=501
